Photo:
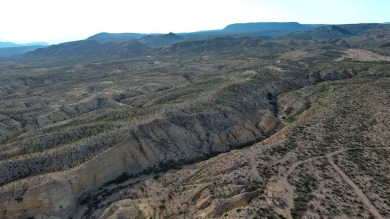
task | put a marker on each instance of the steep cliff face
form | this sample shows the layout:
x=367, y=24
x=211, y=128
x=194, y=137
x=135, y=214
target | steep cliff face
x=177, y=139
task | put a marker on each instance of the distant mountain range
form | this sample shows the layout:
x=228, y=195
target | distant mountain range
x=104, y=47
x=8, y=49
x=9, y=44
x=115, y=37
x=89, y=50
x=336, y=31
x=7, y=52
x=153, y=40
x=252, y=29
x=109, y=46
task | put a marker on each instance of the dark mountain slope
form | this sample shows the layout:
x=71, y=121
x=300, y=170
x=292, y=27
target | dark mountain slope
x=336, y=31
x=385, y=45
x=253, y=29
x=115, y=37
x=9, y=44
x=88, y=50
x=250, y=27
x=326, y=32
x=127, y=49
x=16, y=51
x=160, y=40
x=206, y=45
x=218, y=45
x=239, y=29
x=361, y=28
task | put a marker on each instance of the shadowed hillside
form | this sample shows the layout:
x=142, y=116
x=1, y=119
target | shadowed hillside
x=160, y=40
x=339, y=31
x=16, y=51
x=87, y=50
x=9, y=44
x=266, y=26
x=115, y=37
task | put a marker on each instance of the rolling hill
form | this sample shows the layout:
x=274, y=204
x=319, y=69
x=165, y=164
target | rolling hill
x=160, y=40
x=337, y=31
x=115, y=37
x=88, y=50
x=234, y=37
x=223, y=44
x=239, y=29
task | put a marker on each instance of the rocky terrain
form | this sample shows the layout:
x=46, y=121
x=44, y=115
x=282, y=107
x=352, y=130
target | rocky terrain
x=325, y=164
x=226, y=127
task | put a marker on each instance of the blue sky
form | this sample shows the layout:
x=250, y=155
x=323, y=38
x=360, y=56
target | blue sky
x=57, y=21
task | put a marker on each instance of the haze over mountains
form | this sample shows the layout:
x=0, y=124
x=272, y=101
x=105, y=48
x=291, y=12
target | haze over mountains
x=154, y=40
x=8, y=49
x=92, y=51
x=260, y=28
x=108, y=43
x=107, y=46
x=9, y=44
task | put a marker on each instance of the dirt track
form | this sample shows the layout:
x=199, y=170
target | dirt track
x=356, y=189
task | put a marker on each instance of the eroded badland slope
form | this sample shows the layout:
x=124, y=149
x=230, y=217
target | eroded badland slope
x=216, y=128
x=330, y=162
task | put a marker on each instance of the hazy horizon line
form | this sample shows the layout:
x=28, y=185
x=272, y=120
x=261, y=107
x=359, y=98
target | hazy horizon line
x=79, y=37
